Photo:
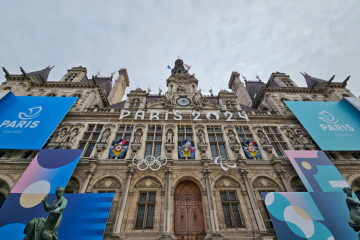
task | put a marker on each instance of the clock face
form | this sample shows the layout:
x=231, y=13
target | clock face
x=183, y=101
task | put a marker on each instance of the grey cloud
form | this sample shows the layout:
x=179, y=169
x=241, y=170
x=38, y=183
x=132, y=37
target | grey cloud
x=215, y=37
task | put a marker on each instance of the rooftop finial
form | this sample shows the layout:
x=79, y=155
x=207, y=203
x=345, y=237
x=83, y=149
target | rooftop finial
x=98, y=73
x=258, y=78
x=148, y=89
x=244, y=78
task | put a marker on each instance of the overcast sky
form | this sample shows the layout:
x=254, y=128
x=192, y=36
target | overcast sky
x=216, y=37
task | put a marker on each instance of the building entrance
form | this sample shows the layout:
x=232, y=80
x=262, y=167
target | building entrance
x=189, y=220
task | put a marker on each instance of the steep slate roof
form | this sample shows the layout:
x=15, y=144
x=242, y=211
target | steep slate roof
x=117, y=105
x=244, y=107
x=104, y=81
x=44, y=74
x=310, y=81
x=253, y=88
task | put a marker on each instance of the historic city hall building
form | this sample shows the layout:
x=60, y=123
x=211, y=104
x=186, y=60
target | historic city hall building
x=185, y=198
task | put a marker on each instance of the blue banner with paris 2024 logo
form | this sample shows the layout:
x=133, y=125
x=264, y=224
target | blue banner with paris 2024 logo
x=26, y=122
x=335, y=126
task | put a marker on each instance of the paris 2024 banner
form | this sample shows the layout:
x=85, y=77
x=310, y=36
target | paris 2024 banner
x=328, y=211
x=26, y=122
x=335, y=126
x=38, y=208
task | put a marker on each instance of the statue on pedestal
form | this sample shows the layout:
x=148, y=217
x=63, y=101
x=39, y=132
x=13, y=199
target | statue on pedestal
x=46, y=228
x=353, y=206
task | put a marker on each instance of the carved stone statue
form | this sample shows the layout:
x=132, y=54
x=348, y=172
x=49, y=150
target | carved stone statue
x=168, y=99
x=353, y=206
x=46, y=229
x=263, y=137
x=137, y=136
x=293, y=138
x=70, y=137
x=206, y=101
x=302, y=138
x=169, y=136
x=196, y=100
x=232, y=137
x=105, y=136
x=201, y=137
x=181, y=88
x=61, y=135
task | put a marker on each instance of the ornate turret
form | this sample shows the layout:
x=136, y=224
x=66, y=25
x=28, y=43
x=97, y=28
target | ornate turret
x=179, y=67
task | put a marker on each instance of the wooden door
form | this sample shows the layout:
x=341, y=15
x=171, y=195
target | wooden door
x=189, y=221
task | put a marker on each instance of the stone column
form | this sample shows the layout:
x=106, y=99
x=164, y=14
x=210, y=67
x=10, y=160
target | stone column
x=89, y=172
x=167, y=213
x=122, y=203
x=281, y=173
x=254, y=203
x=213, y=213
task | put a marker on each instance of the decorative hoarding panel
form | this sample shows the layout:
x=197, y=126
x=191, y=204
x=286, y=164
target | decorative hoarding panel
x=313, y=216
x=316, y=171
x=82, y=216
x=26, y=122
x=335, y=126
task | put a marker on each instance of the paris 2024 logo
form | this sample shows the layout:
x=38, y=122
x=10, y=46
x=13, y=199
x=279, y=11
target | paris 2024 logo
x=332, y=124
x=24, y=119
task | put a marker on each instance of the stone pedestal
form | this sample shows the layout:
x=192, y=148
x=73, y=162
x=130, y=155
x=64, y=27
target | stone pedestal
x=100, y=146
x=135, y=147
x=169, y=147
x=65, y=145
x=53, y=145
x=235, y=147
x=202, y=147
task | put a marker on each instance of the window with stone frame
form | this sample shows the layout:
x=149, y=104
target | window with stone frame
x=185, y=132
x=263, y=208
x=135, y=103
x=230, y=105
x=145, y=210
x=244, y=134
x=217, y=142
x=154, y=141
x=276, y=140
x=91, y=135
x=230, y=206
x=288, y=82
x=124, y=133
x=297, y=185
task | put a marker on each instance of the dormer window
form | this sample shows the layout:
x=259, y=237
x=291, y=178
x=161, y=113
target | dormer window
x=230, y=105
x=135, y=103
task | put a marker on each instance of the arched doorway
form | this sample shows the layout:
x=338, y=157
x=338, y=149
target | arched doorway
x=189, y=220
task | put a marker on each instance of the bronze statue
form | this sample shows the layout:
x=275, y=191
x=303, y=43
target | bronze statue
x=353, y=206
x=46, y=229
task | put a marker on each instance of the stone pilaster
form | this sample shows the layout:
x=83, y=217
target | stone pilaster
x=253, y=201
x=281, y=173
x=122, y=203
x=89, y=173
x=213, y=213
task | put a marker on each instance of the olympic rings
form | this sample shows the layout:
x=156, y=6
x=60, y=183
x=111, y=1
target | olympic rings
x=149, y=164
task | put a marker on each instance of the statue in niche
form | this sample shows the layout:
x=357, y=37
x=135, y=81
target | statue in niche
x=301, y=137
x=137, y=136
x=263, y=137
x=293, y=138
x=232, y=137
x=201, y=137
x=105, y=136
x=46, y=228
x=169, y=136
x=61, y=135
x=353, y=206
x=70, y=137
x=168, y=98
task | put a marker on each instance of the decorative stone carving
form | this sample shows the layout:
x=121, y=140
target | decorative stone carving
x=148, y=183
x=226, y=183
x=301, y=137
x=71, y=135
x=137, y=137
x=293, y=138
x=169, y=136
x=169, y=147
x=232, y=137
x=105, y=136
x=196, y=100
x=264, y=139
x=100, y=146
x=61, y=135
x=201, y=137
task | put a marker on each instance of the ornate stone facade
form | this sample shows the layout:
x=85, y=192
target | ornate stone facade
x=144, y=206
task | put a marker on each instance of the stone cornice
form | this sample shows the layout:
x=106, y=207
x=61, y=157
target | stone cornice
x=320, y=90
